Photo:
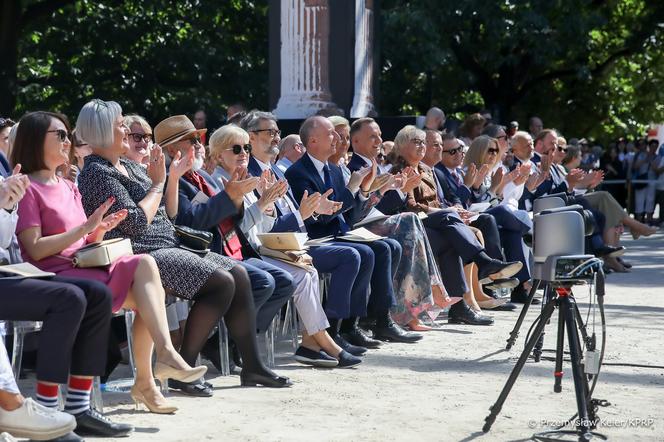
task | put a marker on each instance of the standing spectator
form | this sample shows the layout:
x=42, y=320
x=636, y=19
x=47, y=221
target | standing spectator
x=5, y=127
x=471, y=128
x=614, y=169
x=658, y=168
x=200, y=122
x=435, y=119
x=535, y=126
x=235, y=110
x=644, y=193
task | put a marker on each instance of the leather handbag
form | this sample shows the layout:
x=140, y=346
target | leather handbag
x=102, y=254
x=196, y=241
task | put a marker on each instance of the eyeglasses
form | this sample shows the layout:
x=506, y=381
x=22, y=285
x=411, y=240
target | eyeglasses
x=193, y=141
x=562, y=149
x=417, y=142
x=454, y=151
x=273, y=132
x=493, y=150
x=237, y=148
x=137, y=137
x=62, y=134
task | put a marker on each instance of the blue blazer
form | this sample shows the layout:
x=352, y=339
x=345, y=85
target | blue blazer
x=302, y=175
x=208, y=215
x=546, y=188
x=461, y=191
x=285, y=222
x=391, y=202
x=5, y=168
x=450, y=197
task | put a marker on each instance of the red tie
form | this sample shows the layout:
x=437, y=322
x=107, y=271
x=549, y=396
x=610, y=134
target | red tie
x=230, y=241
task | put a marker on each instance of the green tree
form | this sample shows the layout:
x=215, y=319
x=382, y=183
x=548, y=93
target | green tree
x=154, y=57
x=584, y=66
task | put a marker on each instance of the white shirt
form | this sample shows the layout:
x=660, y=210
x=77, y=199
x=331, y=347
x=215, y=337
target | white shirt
x=284, y=203
x=319, y=165
x=283, y=164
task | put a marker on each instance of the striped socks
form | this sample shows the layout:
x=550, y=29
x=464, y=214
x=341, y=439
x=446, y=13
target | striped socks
x=47, y=394
x=78, y=395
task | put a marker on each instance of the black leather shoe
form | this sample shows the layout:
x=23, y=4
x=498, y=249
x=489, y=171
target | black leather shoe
x=461, y=313
x=355, y=350
x=393, y=332
x=254, y=379
x=198, y=389
x=495, y=269
x=69, y=437
x=92, y=423
x=520, y=296
x=610, y=251
x=358, y=337
x=347, y=360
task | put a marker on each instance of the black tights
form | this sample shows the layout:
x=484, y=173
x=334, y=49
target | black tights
x=227, y=294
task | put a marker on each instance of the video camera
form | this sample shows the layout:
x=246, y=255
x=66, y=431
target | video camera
x=558, y=241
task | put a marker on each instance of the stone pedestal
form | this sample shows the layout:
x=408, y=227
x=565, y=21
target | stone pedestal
x=304, y=35
x=364, y=63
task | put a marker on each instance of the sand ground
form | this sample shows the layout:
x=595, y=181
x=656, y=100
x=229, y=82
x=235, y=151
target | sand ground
x=442, y=388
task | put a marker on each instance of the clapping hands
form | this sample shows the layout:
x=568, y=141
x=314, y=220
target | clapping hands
x=13, y=188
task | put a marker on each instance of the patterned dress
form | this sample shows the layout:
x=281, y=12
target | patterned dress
x=182, y=273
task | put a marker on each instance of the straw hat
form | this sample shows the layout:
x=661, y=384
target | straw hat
x=173, y=129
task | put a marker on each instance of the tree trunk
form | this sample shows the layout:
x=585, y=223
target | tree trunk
x=10, y=18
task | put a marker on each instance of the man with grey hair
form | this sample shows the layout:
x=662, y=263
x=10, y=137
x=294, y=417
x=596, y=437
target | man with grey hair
x=435, y=119
x=291, y=149
x=263, y=131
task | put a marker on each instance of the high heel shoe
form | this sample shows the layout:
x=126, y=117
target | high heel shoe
x=442, y=300
x=152, y=405
x=163, y=372
x=254, y=379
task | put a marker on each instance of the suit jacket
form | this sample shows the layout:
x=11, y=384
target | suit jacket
x=284, y=222
x=5, y=168
x=208, y=215
x=462, y=191
x=392, y=202
x=302, y=175
x=451, y=198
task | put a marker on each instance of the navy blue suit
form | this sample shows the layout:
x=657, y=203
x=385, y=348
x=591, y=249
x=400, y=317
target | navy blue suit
x=391, y=203
x=271, y=286
x=5, y=168
x=303, y=175
x=350, y=273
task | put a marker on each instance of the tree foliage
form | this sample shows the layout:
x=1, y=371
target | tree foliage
x=155, y=57
x=584, y=66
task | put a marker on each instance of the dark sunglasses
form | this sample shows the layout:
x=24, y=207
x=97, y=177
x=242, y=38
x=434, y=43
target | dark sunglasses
x=193, y=141
x=62, y=134
x=454, y=151
x=562, y=149
x=237, y=149
x=138, y=137
x=493, y=150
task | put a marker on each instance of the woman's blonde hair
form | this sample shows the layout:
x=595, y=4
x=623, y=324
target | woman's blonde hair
x=478, y=149
x=224, y=137
x=137, y=119
x=336, y=120
x=404, y=136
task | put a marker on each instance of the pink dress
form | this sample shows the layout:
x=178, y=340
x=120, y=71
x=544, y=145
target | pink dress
x=57, y=208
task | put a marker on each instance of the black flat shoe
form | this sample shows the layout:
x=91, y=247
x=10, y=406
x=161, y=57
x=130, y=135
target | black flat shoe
x=253, y=379
x=610, y=251
x=198, y=389
x=347, y=360
x=359, y=338
x=355, y=350
x=93, y=423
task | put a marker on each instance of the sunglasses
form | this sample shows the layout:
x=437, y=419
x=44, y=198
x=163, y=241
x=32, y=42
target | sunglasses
x=62, y=134
x=237, y=149
x=273, y=132
x=193, y=141
x=493, y=150
x=138, y=137
x=562, y=149
x=454, y=151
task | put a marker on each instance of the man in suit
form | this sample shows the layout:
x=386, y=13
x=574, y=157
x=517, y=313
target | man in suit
x=349, y=270
x=203, y=205
x=313, y=173
x=291, y=149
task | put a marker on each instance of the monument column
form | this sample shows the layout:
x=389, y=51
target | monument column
x=364, y=63
x=304, y=59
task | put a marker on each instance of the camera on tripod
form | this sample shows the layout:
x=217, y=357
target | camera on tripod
x=560, y=227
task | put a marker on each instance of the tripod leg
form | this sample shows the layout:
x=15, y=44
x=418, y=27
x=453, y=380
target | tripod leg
x=515, y=331
x=560, y=347
x=548, y=296
x=579, y=321
x=580, y=381
x=498, y=405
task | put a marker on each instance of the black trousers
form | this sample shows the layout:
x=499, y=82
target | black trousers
x=76, y=315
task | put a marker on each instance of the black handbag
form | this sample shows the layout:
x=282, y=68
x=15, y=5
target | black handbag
x=196, y=241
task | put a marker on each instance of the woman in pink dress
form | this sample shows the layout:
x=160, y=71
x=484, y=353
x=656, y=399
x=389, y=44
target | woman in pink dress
x=52, y=227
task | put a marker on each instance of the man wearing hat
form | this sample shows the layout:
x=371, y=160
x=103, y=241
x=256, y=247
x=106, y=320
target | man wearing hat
x=202, y=205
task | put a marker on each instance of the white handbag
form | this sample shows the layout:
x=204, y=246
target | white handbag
x=101, y=254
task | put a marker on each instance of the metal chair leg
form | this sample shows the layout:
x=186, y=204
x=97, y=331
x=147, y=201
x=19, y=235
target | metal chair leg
x=224, y=349
x=269, y=342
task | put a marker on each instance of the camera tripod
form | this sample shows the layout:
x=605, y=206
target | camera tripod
x=561, y=297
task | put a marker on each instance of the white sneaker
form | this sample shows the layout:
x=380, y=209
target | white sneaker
x=6, y=437
x=34, y=421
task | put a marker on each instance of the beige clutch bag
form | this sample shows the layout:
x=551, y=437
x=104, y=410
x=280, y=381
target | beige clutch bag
x=101, y=254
